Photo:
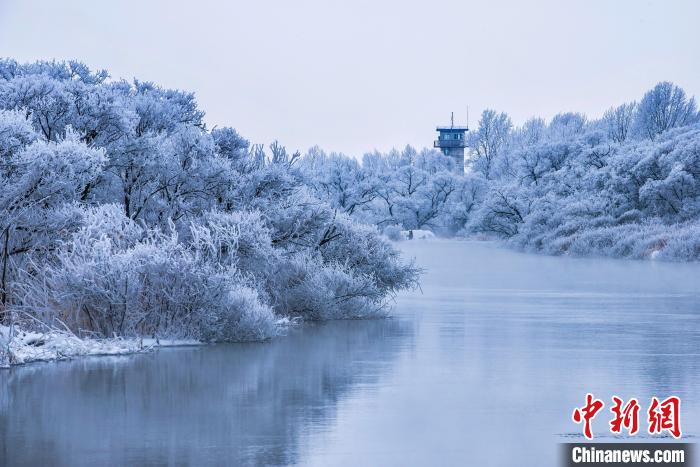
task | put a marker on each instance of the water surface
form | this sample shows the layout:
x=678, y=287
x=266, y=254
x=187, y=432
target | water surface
x=481, y=367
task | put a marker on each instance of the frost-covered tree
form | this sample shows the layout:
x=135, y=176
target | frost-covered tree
x=410, y=189
x=40, y=181
x=487, y=142
x=567, y=125
x=339, y=179
x=229, y=143
x=531, y=132
x=618, y=121
x=665, y=107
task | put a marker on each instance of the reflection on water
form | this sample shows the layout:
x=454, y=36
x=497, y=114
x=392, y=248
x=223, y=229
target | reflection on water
x=224, y=404
x=482, y=367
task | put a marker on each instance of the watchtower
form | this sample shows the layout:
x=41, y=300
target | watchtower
x=452, y=141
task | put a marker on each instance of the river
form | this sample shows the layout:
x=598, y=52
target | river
x=482, y=366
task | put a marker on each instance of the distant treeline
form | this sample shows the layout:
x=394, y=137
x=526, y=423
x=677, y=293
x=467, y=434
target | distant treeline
x=625, y=185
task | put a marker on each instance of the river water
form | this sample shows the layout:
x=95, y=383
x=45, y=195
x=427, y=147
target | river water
x=483, y=366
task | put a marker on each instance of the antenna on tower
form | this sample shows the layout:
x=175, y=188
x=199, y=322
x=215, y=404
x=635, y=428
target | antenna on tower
x=467, y=117
x=452, y=119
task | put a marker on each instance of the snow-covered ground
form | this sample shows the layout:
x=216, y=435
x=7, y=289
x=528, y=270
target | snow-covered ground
x=19, y=346
x=417, y=234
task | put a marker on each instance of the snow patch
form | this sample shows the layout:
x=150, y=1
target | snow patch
x=18, y=346
x=286, y=321
x=417, y=234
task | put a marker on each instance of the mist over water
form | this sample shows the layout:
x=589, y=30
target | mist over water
x=483, y=366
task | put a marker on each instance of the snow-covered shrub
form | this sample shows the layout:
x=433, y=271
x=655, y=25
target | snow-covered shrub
x=4, y=346
x=649, y=240
x=235, y=313
x=238, y=238
x=360, y=248
x=116, y=278
x=4, y=358
x=306, y=287
x=683, y=244
x=155, y=288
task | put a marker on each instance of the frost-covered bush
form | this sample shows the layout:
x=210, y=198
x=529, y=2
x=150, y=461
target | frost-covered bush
x=682, y=244
x=367, y=254
x=237, y=238
x=117, y=278
x=235, y=313
x=313, y=290
x=647, y=240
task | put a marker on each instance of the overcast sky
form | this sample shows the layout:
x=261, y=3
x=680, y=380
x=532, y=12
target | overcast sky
x=357, y=75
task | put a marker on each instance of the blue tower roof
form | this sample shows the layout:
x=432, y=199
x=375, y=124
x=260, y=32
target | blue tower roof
x=452, y=129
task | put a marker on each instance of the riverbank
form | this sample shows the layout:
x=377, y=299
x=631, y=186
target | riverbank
x=18, y=347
